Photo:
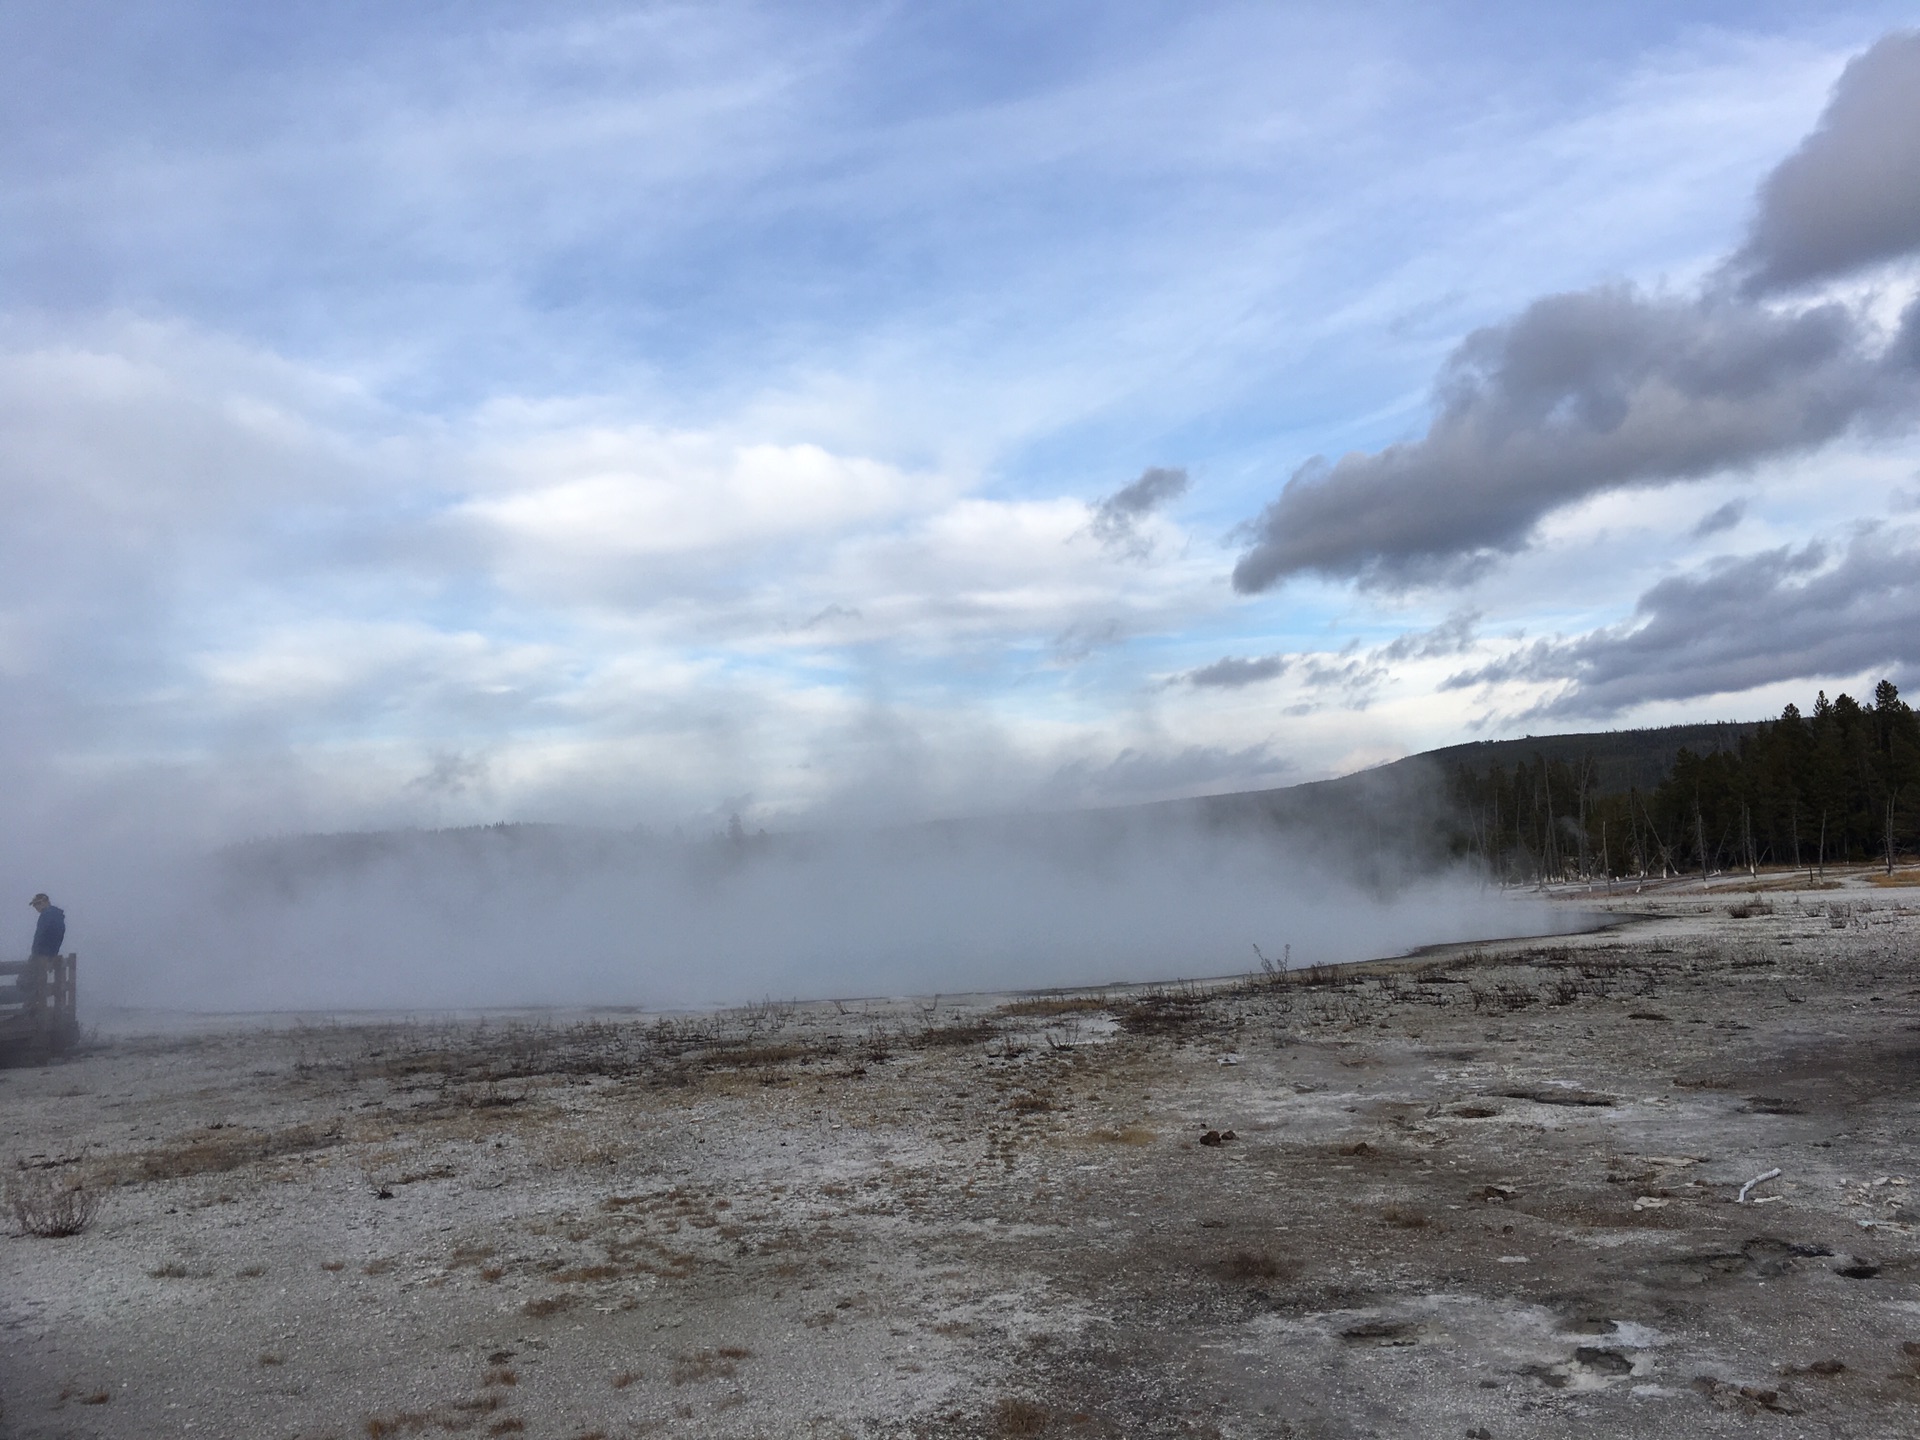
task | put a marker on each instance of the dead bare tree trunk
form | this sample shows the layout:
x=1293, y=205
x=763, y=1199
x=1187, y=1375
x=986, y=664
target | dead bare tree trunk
x=1666, y=850
x=1586, y=861
x=1548, y=867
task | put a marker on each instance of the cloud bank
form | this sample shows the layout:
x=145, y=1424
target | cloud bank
x=1740, y=623
x=1592, y=391
x=1849, y=197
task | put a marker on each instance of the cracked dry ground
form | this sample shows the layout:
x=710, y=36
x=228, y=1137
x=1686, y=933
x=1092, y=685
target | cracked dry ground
x=1478, y=1193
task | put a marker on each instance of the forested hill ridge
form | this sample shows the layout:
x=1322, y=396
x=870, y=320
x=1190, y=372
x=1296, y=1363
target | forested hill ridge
x=1619, y=759
x=1839, y=783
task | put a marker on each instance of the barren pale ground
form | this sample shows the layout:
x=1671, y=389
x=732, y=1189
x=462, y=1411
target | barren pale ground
x=1490, y=1191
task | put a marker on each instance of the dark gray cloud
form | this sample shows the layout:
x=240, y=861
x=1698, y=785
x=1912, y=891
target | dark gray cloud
x=1355, y=675
x=1230, y=672
x=1724, y=518
x=1582, y=393
x=1451, y=636
x=1115, y=518
x=1786, y=614
x=1600, y=389
x=1850, y=195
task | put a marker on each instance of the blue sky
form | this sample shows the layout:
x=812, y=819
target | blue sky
x=434, y=414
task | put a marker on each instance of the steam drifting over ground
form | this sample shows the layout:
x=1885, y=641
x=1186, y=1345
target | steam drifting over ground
x=537, y=915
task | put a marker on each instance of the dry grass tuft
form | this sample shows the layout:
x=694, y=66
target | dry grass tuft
x=624, y=1379
x=1015, y=1416
x=219, y=1149
x=1126, y=1135
x=586, y=1274
x=964, y=1032
x=43, y=1206
x=720, y=1364
x=548, y=1305
x=1405, y=1217
x=1171, y=1011
x=1046, y=1005
x=401, y=1422
x=1251, y=1265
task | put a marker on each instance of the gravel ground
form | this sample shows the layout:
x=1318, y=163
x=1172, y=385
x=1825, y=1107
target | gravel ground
x=1484, y=1191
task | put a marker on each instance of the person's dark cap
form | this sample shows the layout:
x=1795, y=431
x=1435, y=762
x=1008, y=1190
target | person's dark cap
x=40, y=899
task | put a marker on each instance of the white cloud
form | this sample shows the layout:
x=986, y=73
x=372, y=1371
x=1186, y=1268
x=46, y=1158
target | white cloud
x=575, y=507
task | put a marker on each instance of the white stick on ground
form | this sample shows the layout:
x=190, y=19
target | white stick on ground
x=1741, y=1199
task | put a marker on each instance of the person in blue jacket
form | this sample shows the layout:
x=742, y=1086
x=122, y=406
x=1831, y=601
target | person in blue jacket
x=52, y=927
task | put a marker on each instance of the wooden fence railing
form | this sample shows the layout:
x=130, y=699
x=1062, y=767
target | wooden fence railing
x=39, y=1010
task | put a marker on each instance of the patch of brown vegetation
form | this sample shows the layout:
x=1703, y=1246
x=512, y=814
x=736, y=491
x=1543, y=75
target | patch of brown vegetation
x=586, y=1274
x=1015, y=1416
x=966, y=1032
x=718, y=1364
x=401, y=1422
x=1252, y=1264
x=1125, y=1135
x=216, y=1150
x=1045, y=1005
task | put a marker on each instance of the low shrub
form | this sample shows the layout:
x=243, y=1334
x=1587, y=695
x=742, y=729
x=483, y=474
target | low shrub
x=42, y=1205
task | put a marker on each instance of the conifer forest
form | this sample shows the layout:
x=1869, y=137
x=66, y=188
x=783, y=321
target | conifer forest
x=1838, y=785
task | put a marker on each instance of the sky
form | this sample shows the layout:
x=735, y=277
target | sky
x=646, y=414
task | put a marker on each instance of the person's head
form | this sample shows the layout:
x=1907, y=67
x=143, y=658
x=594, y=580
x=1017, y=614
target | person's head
x=39, y=902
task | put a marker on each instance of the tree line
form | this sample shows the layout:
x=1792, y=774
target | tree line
x=1841, y=785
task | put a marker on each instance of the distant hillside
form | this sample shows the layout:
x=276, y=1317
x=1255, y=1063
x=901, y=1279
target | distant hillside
x=1620, y=759
x=1388, y=799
